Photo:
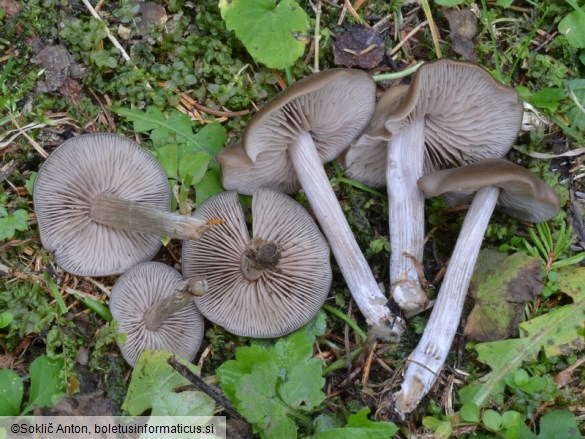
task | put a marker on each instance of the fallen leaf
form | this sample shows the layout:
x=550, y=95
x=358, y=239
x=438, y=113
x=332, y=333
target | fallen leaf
x=58, y=64
x=358, y=46
x=558, y=332
x=462, y=26
x=501, y=285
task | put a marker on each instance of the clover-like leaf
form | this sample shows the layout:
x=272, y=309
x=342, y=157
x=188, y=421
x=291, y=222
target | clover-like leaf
x=274, y=32
x=153, y=387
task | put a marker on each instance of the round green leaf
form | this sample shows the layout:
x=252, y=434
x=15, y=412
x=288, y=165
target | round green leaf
x=511, y=418
x=521, y=377
x=492, y=420
x=274, y=32
x=470, y=412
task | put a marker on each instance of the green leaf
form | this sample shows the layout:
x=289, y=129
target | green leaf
x=231, y=372
x=302, y=385
x=271, y=385
x=511, y=418
x=176, y=128
x=573, y=28
x=168, y=156
x=213, y=136
x=153, y=386
x=575, y=115
x=325, y=422
x=559, y=424
x=187, y=403
x=360, y=427
x=521, y=377
x=30, y=182
x=556, y=332
x=6, y=319
x=192, y=167
x=492, y=420
x=11, y=392
x=259, y=404
x=11, y=222
x=46, y=388
x=444, y=430
x=274, y=32
x=431, y=423
x=504, y=3
x=469, y=413
x=548, y=98
x=209, y=185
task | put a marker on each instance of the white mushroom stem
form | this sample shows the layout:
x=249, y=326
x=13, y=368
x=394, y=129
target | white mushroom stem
x=404, y=166
x=360, y=280
x=154, y=316
x=426, y=362
x=138, y=217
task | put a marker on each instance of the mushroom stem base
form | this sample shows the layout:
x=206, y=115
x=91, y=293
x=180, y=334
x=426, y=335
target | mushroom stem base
x=360, y=280
x=405, y=165
x=138, y=217
x=426, y=362
x=154, y=316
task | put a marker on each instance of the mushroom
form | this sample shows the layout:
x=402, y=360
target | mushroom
x=285, y=146
x=102, y=203
x=154, y=307
x=265, y=286
x=453, y=114
x=519, y=193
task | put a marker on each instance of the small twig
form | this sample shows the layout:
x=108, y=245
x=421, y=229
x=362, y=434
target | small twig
x=368, y=365
x=34, y=144
x=317, y=37
x=408, y=36
x=210, y=390
x=108, y=33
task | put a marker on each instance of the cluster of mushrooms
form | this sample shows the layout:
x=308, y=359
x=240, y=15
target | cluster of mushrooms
x=102, y=204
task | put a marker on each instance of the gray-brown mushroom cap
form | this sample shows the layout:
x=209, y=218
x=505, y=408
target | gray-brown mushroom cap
x=523, y=195
x=293, y=276
x=365, y=159
x=68, y=182
x=135, y=292
x=468, y=116
x=334, y=106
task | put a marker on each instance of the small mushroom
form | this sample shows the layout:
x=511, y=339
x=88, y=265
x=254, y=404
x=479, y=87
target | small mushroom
x=102, y=203
x=518, y=193
x=265, y=286
x=154, y=307
x=285, y=146
x=454, y=113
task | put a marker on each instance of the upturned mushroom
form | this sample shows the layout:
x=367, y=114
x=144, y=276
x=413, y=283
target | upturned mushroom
x=265, y=286
x=285, y=146
x=453, y=114
x=520, y=194
x=154, y=307
x=102, y=203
